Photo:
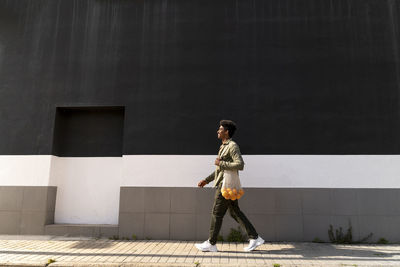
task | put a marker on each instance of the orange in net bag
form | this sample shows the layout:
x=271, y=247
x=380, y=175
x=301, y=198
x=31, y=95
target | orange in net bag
x=231, y=187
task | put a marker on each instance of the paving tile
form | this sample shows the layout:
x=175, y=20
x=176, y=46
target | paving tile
x=158, y=253
x=170, y=251
x=124, y=248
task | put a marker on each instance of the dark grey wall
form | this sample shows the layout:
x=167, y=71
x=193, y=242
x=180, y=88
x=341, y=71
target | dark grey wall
x=298, y=76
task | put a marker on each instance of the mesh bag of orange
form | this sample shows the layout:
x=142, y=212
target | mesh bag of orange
x=231, y=187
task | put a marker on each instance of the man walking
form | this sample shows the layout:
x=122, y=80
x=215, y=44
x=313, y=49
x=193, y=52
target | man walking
x=229, y=158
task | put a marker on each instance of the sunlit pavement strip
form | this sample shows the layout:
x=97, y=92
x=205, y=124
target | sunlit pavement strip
x=68, y=251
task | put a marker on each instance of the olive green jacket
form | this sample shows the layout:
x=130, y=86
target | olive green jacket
x=231, y=159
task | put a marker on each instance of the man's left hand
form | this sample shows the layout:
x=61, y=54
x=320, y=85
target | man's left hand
x=217, y=161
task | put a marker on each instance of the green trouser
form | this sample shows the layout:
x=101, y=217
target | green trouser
x=219, y=209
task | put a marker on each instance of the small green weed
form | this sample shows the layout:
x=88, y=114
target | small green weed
x=236, y=236
x=340, y=238
x=382, y=240
x=197, y=264
x=317, y=240
x=114, y=237
x=277, y=265
x=134, y=237
x=50, y=261
x=379, y=254
x=347, y=238
x=220, y=238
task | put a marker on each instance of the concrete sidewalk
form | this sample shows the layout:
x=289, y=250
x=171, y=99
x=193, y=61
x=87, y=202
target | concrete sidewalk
x=37, y=250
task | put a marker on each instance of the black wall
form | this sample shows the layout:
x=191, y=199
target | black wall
x=298, y=76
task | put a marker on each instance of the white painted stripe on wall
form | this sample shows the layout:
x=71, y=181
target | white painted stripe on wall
x=328, y=171
x=88, y=188
x=333, y=171
x=165, y=170
x=25, y=170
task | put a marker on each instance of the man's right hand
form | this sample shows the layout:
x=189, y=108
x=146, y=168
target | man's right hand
x=202, y=183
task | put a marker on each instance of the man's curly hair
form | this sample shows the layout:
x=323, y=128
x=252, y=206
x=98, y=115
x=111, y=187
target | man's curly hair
x=228, y=125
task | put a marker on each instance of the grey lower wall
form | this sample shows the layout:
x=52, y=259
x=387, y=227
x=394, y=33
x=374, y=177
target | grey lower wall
x=26, y=209
x=279, y=214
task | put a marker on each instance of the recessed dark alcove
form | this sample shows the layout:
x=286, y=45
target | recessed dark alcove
x=88, y=132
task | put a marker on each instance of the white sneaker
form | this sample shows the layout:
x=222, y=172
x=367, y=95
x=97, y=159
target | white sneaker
x=206, y=246
x=253, y=243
